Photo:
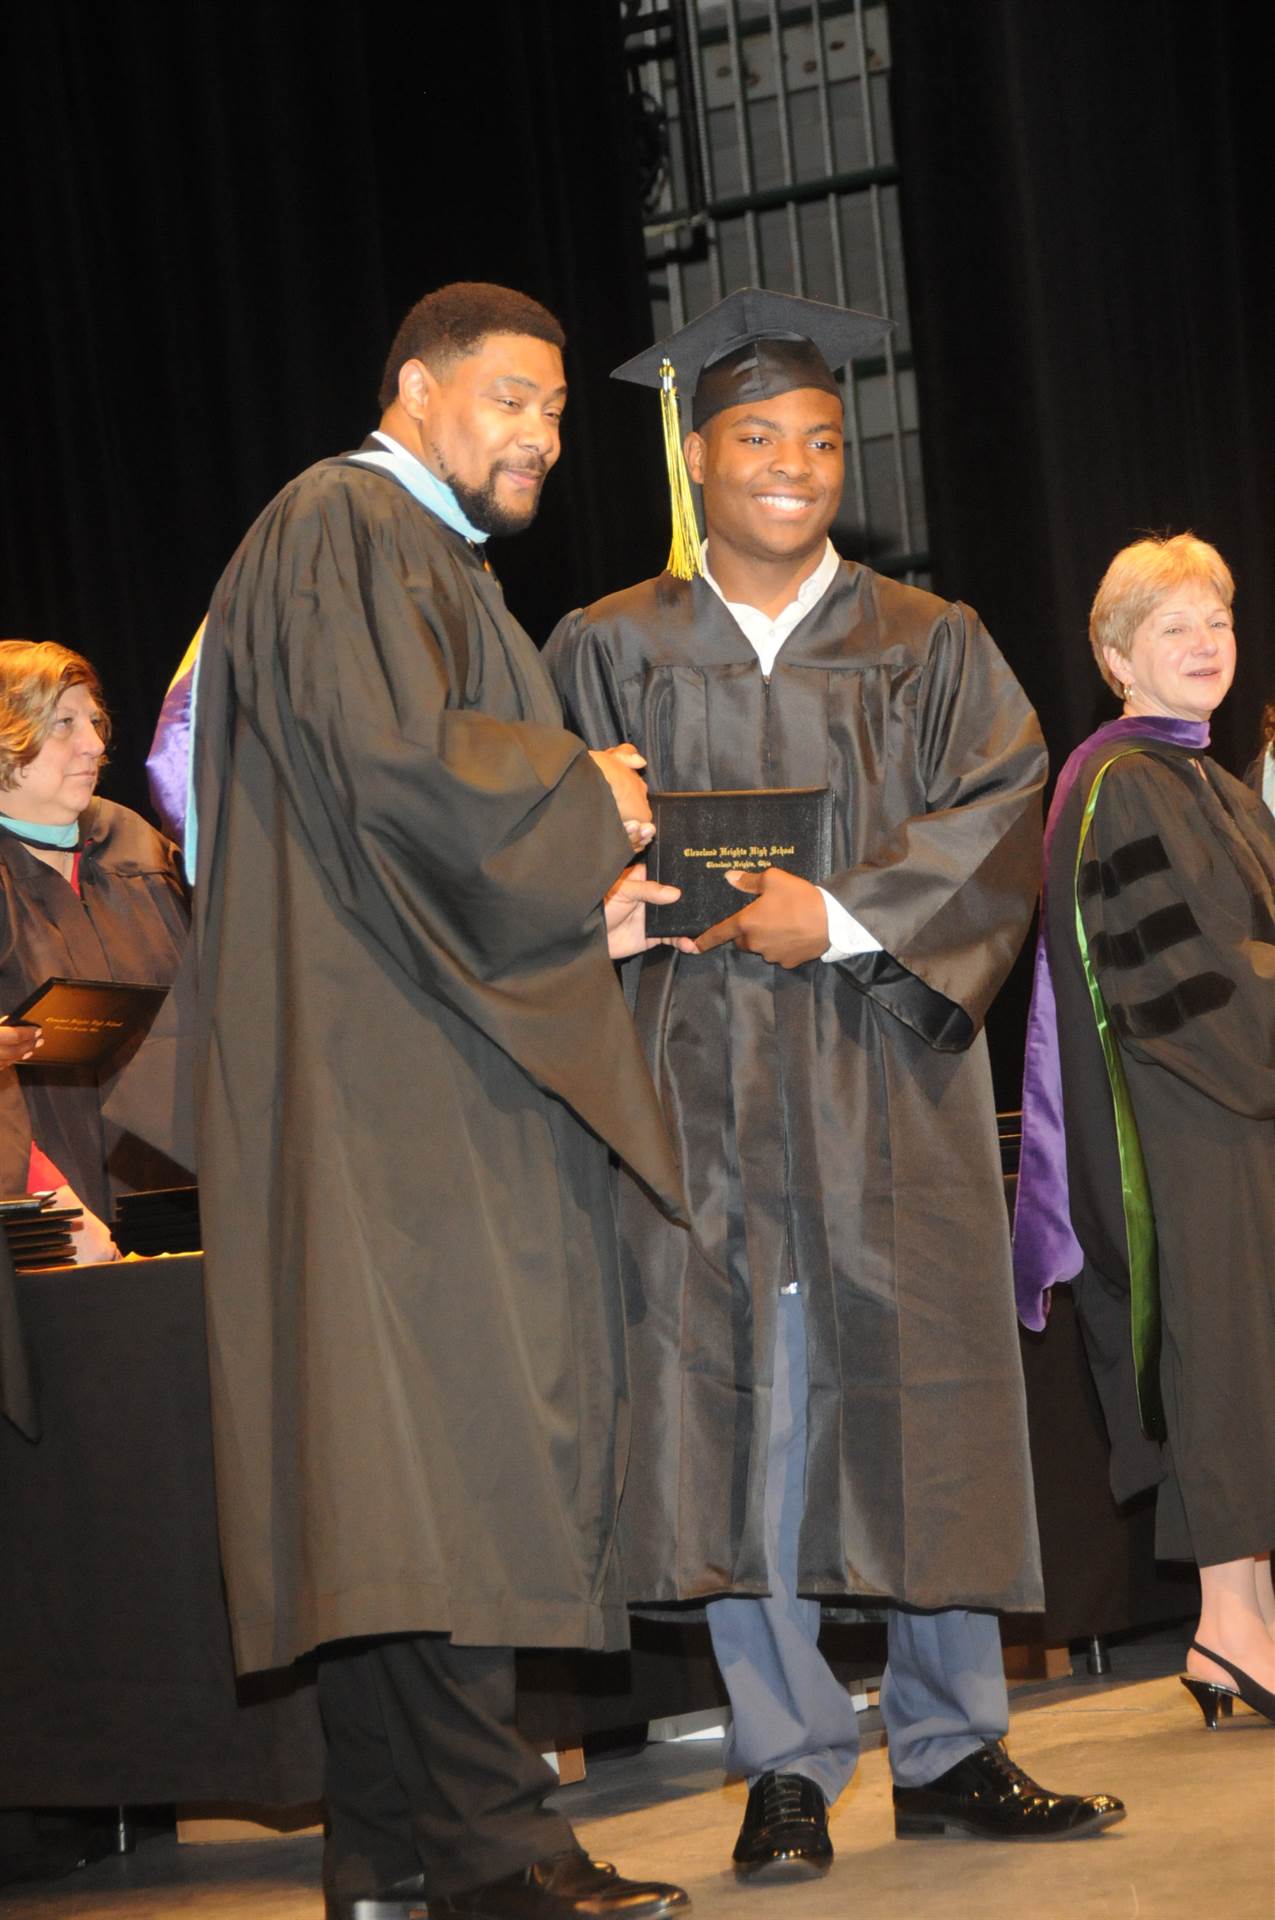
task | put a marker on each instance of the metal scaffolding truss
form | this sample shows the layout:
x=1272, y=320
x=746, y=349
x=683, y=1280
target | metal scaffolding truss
x=768, y=160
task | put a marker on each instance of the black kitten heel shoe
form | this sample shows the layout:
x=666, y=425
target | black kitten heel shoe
x=1214, y=1700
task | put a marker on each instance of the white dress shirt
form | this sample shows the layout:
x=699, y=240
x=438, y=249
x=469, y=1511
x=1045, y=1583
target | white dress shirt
x=766, y=636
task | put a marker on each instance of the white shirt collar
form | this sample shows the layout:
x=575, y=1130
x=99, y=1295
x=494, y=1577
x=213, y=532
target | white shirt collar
x=767, y=636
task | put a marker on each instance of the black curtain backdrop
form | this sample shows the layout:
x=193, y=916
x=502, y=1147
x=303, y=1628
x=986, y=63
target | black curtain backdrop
x=215, y=217
x=1086, y=208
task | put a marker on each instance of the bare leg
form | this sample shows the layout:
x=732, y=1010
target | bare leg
x=1265, y=1591
x=1232, y=1623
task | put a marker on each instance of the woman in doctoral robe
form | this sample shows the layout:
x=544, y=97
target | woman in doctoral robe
x=1152, y=1184
x=87, y=890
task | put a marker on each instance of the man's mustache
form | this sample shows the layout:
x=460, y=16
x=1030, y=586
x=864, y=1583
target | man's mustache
x=536, y=466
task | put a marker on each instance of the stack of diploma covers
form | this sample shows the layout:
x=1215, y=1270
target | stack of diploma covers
x=700, y=837
x=38, y=1233
x=166, y=1221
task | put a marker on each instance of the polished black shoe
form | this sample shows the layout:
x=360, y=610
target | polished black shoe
x=785, y=1830
x=405, y=1900
x=987, y=1797
x=568, y=1886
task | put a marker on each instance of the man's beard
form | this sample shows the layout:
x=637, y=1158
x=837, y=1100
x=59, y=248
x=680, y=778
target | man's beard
x=481, y=507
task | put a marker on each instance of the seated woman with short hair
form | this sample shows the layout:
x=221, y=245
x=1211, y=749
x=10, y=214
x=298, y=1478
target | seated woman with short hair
x=87, y=890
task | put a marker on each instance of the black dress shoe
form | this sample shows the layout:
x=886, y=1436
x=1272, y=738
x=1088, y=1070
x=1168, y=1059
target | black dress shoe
x=405, y=1900
x=567, y=1886
x=785, y=1830
x=987, y=1797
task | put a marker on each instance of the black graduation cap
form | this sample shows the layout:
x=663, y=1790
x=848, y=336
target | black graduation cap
x=753, y=345
x=750, y=346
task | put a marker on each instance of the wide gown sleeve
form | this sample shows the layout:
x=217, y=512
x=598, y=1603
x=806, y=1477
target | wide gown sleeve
x=472, y=850
x=15, y=1124
x=1178, y=917
x=15, y=1134
x=488, y=841
x=949, y=892
x=583, y=672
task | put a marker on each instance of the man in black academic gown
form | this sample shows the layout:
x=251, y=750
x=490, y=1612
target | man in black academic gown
x=827, y=1392
x=414, y=1060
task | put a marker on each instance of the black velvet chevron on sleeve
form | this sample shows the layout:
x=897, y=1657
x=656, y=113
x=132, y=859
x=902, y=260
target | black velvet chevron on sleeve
x=1176, y=894
x=1165, y=1013
x=1135, y=861
x=1166, y=927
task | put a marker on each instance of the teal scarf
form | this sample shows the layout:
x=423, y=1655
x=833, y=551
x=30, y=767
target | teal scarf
x=424, y=486
x=37, y=833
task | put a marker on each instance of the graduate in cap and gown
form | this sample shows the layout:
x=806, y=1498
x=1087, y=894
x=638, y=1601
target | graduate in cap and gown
x=827, y=1391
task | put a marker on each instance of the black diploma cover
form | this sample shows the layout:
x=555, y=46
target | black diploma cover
x=699, y=837
x=84, y=1021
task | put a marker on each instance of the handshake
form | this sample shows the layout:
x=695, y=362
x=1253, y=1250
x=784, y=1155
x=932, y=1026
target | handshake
x=619, y=768
x=786, y=922
x=626, y=903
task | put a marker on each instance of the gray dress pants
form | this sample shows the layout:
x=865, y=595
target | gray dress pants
x=943, y=1695
x=426, y=1768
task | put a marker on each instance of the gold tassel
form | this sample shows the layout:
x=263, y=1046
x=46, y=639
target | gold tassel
x=683, y=558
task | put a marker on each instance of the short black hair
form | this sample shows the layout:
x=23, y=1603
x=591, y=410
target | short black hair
x=452, y=321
